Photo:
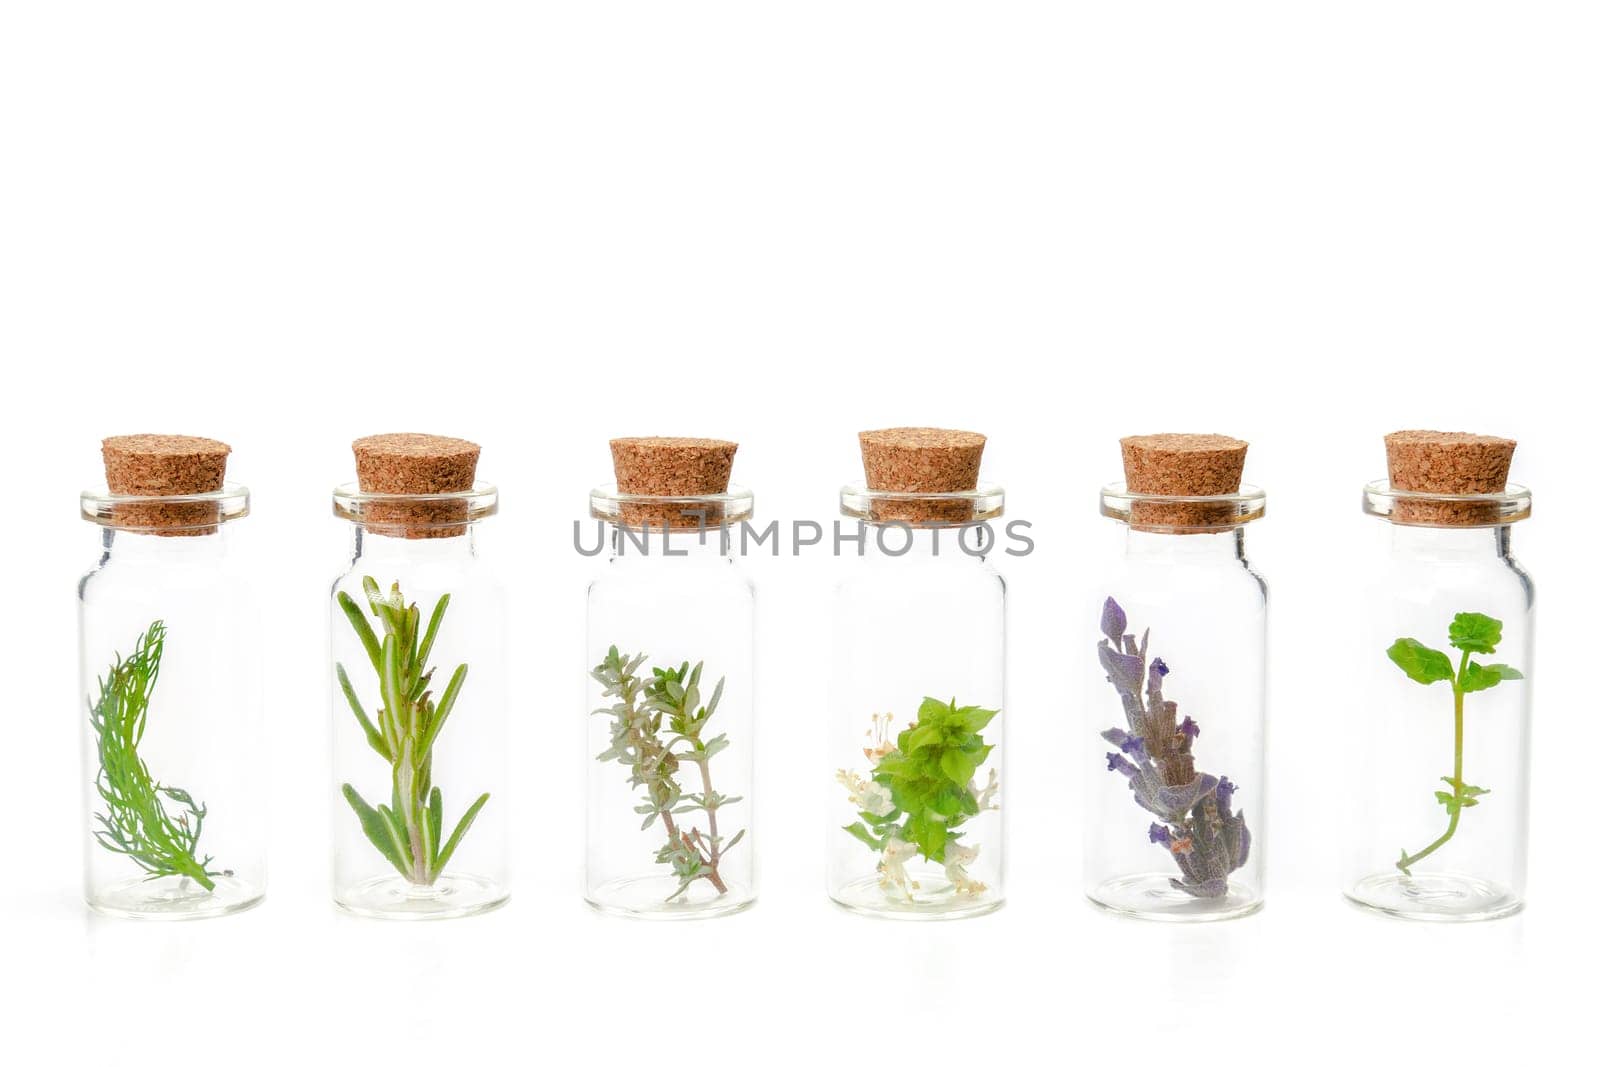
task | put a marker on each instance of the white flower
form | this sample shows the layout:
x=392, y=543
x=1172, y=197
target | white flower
x=870, y=797
x=892, y=868
x=882, y=743
x=986, y=796
x=957, y=858
x=876, y=800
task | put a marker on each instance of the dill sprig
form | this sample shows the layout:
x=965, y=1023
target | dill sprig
x=137, y=822
x=408, y=830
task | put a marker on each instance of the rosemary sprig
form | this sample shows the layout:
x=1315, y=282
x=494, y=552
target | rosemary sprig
x=670, y=698
x=408, y=830
x=136, y=822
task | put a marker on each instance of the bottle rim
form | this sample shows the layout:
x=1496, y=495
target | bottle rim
x=885, y=507
x=1232, y=510
x=131, y=513
x=608, y=504
x=421, y=511
x=1380, y=499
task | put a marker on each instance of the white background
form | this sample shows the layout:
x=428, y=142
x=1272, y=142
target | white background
x=542, y=225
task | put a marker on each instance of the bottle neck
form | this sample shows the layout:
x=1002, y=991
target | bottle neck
x=369, y=547
x=1445, y=544
x=642, y=544
x=1224, y=546
x=900, y=541
x=126, y=546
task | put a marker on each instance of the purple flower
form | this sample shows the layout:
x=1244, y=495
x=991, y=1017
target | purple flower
x=1113, y=621
x=1122, y=671
x=1129, y=744
x=1207, y=841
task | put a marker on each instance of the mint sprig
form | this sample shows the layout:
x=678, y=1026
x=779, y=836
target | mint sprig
x=1470, y=633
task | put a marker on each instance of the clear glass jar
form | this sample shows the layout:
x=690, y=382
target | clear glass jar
x=170, y=676
x=1437, y=827
x=671, y=697
x=1178, y=702
x=419, y=714
x=919, y=665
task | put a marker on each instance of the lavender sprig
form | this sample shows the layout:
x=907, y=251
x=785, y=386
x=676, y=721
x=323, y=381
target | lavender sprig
x=1198, y=826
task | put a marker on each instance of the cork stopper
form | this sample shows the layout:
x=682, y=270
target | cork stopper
x=922, y=459
x=165, y=465
x=415, y=464
x=1457, y=464
x=672, y=466
x=1183, y=464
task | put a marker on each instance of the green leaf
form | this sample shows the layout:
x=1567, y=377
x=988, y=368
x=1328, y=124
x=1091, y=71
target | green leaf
x=1421, y=663
x=929, y=835
x=925, y=734
x=460, y=831
x=378, y=830
x=1471, y=632
x=363, y=629
x=862, y=834
x=949, y=800
x=435, y=826
x=446, y=703
x=433, y=631
x=975, y=719
x=374, y=738
x=958, y=766
x=1487, y=676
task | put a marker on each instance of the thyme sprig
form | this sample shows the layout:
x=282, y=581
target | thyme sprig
x=1469, y=632
x=408, y=830
x=657, y=725
x=137, y=822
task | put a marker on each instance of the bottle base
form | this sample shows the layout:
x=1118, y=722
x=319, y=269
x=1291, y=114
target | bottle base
x=1440, y=897
x=933, y=899
x=451, y=896
x=646, y=898
x=175, y=899
x=1152, y=896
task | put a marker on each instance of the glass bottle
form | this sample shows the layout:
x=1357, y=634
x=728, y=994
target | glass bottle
x=915, y=825
x=1437, y=827
x=1178, y=694
x=419, y=730
x=671, y=690
x=170, y=686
